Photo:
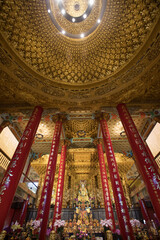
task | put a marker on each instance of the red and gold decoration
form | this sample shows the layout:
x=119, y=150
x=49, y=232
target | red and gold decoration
x=60, y=184
x=120, y=202
x=44, y=206
x=14, y=171
x=144, y=161
x=105, y=186
x=144, y=209
x=24, y=210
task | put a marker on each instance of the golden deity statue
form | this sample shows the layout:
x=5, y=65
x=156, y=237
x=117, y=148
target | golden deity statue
x=82, y=214
x=83, y=192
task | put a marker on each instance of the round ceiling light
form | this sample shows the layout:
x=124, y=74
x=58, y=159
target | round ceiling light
x=75, y=12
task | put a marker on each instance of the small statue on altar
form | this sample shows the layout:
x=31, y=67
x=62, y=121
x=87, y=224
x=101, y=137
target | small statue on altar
x=82, y=213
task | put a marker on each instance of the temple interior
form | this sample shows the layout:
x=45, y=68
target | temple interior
x=80, y=113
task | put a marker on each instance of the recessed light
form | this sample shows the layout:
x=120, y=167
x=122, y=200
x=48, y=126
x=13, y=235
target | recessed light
x=91, y=2
x=85, y=15
x=99, y=20
x=63, y=11
x=82, y=35
x=63, y=32
x=73, y=19
x=49, y=10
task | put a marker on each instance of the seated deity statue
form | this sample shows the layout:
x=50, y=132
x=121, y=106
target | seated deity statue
x=83, y=193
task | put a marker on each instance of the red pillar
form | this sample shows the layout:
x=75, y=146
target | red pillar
x=14, y=171
x=44, y=205
x=120, y=202
x=143, y=159
x=27, y=172
x=24, y=211
x=144, y=211
x=105, y=186
x=60, y=184
x=151, y=155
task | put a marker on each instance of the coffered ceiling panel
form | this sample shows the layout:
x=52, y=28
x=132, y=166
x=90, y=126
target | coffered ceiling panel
x=116, y=61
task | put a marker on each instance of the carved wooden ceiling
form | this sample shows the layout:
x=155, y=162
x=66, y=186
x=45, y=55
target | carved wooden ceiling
x=119, y=61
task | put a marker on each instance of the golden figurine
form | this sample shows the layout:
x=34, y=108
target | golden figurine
x=109, y=235
x=2, y=235
x=52, y=235
x=145, y=237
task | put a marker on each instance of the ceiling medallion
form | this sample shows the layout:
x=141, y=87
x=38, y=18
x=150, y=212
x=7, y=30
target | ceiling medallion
x=39, y=136
x=81, y=133
x=77, y=6
x=123, y=134
x=72, y=13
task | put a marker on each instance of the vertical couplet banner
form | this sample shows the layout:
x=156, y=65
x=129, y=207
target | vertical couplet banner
x=143, y=159
x=60, y=184
x=14, y=171
x=121, y=206
x=45, y=201
x=105, y=186
x=24, y=211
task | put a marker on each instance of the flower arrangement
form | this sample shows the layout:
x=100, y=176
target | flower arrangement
x=59, y=225
x=106, y=223
x=118, y=232
x=16, y=226
x=33, y=228
x=82, y=235
x=135, y=223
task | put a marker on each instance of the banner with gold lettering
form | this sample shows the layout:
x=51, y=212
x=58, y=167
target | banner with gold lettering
x=14, y=171
x=60, y=184
x=121, y=206
x=105, y=186
x=144, y=161
x=44, y=205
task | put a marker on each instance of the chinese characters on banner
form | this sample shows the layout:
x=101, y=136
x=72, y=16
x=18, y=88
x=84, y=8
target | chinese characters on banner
x=105, y=186
x=144, y=162
x=60, y=184
x=14, y=171
x=121, y=206
x=44, y=205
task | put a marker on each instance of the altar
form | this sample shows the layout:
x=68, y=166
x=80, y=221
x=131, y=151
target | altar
x=83, y=222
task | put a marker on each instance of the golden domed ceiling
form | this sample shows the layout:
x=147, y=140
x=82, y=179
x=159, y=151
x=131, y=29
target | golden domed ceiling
x=117, y=61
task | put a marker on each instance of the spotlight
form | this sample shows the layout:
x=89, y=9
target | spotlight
x=99, y=20
x=73, y=20
x=63, y=32
x=63, y=11
x=91, y=2
x=49, y=10
x=85, y=15
x=82, y=35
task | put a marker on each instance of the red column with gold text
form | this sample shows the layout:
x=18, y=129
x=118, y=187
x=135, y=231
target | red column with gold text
x=105, y=186
x=120, y=202
x=24, y=211
x=144, y=210
x=14, y=171
x=44, y=205
x=60, y=184
x=143, y=159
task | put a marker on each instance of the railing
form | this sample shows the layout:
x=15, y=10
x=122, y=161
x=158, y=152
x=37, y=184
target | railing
x=4, y=162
